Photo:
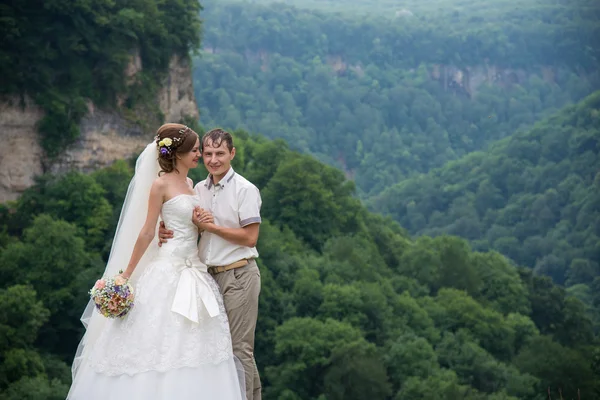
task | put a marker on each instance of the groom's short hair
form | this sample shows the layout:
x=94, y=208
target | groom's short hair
x=216, y=137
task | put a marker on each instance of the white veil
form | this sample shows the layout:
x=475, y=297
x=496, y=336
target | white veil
x=131, y=221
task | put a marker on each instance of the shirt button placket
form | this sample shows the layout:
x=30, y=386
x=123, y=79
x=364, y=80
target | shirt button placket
x=214, y=201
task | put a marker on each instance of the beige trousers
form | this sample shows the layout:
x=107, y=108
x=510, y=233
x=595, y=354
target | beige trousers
x=240, y=288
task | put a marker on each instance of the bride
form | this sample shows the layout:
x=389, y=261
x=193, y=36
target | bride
x=175, y=342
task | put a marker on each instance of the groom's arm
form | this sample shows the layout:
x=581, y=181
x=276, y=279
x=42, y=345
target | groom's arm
x=249, y=203
x=163, y=234
x=246, y=236
x=199, y=215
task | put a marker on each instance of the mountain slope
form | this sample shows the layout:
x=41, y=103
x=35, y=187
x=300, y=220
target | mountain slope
x=535, y=196
x=381, y=99
x=350, y=308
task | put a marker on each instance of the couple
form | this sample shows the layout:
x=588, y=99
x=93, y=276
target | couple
x=190, y=334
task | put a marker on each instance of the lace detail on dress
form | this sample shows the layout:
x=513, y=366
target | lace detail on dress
x=152, y=337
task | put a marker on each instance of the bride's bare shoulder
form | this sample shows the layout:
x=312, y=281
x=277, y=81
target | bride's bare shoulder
x=161, y=180
x=160, y=184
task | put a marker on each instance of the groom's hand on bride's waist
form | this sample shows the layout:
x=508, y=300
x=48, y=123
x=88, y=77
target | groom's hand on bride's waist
x=163, y=234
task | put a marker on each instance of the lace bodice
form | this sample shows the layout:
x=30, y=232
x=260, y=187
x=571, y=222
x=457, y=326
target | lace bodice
x=177, y=215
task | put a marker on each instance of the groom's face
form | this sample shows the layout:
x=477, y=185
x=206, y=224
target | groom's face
x=217, y=159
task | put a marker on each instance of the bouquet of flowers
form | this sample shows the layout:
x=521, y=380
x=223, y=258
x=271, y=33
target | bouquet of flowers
x=113, y=297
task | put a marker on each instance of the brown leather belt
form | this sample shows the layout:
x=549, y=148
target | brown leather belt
x=223, y=268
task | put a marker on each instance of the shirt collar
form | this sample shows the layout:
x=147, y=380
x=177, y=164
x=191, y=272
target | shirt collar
x=223, y=182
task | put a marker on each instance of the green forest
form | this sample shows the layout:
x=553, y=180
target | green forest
x=429, y=176
x=352, y=309
x=534, y=196
x=380, y=99
x=463, y=13
x=369, y=96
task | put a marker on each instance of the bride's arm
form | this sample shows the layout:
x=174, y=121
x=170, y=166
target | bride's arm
x=149, y=230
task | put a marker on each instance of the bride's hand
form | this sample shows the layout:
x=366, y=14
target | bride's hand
x=202, y=216
x=124, y=275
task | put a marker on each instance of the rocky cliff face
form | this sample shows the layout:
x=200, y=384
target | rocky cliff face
x=465, y=80
x=469, y=79
x=106, y=135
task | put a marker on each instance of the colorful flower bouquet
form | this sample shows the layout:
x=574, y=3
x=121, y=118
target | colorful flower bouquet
x=113, y=297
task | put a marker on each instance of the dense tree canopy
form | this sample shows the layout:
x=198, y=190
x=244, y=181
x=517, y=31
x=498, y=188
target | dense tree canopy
x=380, y=99
x=352, y=309
x=384, y=99
x=534, y=32
x=534, y=197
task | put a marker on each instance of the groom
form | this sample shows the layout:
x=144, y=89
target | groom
x=227, y=246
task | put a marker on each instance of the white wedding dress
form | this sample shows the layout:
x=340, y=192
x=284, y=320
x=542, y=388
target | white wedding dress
x=175, y=342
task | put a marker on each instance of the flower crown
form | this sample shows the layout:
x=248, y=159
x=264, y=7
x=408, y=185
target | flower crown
x=167, y=145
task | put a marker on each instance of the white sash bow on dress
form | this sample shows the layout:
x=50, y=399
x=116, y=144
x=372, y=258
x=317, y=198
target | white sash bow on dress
x=193, y=288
